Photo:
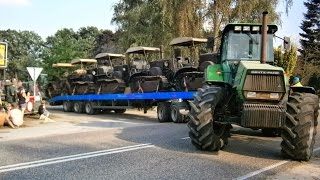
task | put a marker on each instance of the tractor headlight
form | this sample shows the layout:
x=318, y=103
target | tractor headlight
x=262, y=95
x=166, y=64
x=251, y=94
x=274, y=95
x=93, y=72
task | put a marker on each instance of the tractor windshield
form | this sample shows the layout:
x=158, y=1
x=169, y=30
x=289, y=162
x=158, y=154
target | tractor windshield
x=246, y=46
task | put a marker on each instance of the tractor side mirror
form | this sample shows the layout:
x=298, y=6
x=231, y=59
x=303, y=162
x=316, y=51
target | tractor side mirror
x=286, y=43
x=210, y=42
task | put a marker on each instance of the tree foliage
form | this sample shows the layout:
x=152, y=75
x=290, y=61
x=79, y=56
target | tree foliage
x=24, y=49
x=156, y=22
x=287, y=59
x=310, y=38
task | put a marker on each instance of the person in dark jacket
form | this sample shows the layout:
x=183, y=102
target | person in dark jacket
x=44, y=113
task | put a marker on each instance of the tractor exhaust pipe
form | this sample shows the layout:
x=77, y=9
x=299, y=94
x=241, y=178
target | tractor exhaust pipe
x=161, y=52
x=264, y=37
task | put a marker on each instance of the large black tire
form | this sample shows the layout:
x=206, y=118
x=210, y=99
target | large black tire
x=163, y=112
x=176, y=116
x=67, y=106
x=89, y=108
x=119, y=111
x=78, y=107
x=205, y=134
x=300, y=127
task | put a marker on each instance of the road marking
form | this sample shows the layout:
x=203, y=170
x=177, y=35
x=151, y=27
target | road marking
x=186, y=138
x=74, y=157
x=249, y=175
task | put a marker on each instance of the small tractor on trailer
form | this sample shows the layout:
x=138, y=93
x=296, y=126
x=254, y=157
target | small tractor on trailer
x=241, y=90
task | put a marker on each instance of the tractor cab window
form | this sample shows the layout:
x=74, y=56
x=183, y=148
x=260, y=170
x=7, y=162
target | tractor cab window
x=246, y=46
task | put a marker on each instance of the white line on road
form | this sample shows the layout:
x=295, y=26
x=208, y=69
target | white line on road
x=44, y=162
x=249, y=175
x=186, y=138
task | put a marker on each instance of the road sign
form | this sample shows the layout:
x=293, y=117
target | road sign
x=34, y=72
x=3, y=54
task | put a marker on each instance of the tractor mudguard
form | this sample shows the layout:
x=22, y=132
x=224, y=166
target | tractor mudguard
x=303, y=89
x=185, y=69
x=214, y=73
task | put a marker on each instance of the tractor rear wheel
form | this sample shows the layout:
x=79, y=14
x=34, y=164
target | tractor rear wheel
x=163, y=112
x=205, y=133
x=300, y=127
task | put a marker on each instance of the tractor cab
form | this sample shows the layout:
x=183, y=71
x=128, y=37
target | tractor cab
x=148, y=73
x=242, y=42
x=188, y=75
x=107, y=63
x=57, y=85
x=185, y=50
x=111, y=73
x=85, y=66
x=141, y=56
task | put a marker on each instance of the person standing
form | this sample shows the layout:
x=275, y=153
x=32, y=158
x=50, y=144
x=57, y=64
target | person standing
x=296, y=82
x=22, y=96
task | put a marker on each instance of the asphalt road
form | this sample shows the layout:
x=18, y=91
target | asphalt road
x=109, y=146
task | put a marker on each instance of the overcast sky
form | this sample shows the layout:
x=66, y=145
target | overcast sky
x=45, y=17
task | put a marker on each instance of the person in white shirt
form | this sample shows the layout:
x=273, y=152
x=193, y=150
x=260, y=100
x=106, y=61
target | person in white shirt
x=16, y=115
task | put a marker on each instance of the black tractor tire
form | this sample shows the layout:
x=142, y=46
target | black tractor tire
x=67, y=106
x=271, y=132
x=176, y=116
x=89, y=108
x=163, y=112
x=78, y=107
x=300, y=127
x=205, y=133
x=119, y=111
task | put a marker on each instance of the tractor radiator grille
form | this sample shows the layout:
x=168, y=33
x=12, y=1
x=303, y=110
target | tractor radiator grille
x=263, y=116
x=265, y=83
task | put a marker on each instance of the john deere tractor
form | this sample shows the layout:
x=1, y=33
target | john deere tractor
x=244, y=88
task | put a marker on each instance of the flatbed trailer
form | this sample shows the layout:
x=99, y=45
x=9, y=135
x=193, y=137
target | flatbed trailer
x=170, y=105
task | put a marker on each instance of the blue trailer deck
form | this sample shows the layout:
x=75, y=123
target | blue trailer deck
x=133, y=96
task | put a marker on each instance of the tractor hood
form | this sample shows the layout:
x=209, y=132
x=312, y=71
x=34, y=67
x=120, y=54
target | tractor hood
x=254, y=76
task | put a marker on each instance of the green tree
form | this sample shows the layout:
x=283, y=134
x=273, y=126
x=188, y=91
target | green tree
x=310, y=38
x=24, y=49
x=287, y=59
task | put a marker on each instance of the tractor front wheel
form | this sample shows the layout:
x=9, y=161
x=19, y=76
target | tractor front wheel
x=205, y=133
x=300, y=127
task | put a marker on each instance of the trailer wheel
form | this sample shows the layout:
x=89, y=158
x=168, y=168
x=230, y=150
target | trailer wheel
x=67, y=106
x=120, y=111
x=163, y=112
x=300, y=127
x=78, y=107
x=89, y=108
x=175, y=114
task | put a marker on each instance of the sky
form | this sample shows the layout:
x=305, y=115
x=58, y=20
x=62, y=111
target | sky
x=45, y=17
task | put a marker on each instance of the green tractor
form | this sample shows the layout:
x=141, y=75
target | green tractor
x=244, y=88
